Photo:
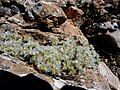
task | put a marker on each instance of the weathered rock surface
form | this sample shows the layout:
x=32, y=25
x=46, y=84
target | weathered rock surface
x=18, y=19
x=101, y=17
x=93, y=80
x=116, y=36
x=40, y=19
x=18, y=68
x=108, y=44
x=109, y=76
x=15, y=66
x=68, y=28
x=89, y=80
x=48, y=14
x=75, y=15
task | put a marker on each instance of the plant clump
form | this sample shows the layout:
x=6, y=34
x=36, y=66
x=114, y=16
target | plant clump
x=57, y=58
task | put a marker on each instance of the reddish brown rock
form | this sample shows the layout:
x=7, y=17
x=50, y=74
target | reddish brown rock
x=68, y=28
x=48, y=14
x=75, y=14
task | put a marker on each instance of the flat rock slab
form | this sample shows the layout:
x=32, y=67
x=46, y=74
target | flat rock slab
x=20, y=68
x=15, y=66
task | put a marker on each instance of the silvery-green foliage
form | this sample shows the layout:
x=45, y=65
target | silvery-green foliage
x=57, y=58
x=86, y=1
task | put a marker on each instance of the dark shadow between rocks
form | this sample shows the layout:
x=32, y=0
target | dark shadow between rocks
x=19, y=6
x=67, y=87
x=9, y=81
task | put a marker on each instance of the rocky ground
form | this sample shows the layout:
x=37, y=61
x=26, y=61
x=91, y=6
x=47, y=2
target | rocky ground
x=61, y=31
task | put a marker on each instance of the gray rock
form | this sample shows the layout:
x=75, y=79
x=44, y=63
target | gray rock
x=5, y=11
x=116, y=36
x=109, y=76
x=14, y=9
x=19, y=20
x=113, y=26
x=109, y=45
